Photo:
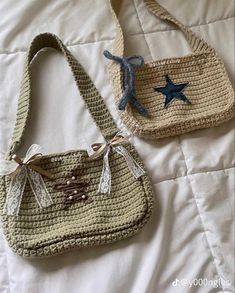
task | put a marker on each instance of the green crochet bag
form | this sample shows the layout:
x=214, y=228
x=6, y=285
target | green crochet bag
x=52, y=203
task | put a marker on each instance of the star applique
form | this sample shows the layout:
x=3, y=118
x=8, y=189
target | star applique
x=172, y=91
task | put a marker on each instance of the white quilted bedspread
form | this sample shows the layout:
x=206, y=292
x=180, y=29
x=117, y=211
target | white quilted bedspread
x=190, y=235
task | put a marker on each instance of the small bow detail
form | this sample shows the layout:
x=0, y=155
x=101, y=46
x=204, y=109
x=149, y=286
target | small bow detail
x=103, y=149
x=128, y=69
x=21, y=171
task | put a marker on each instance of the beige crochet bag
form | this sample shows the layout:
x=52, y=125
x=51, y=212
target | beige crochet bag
x=174, y=95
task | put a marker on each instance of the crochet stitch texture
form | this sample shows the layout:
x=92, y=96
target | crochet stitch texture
x=39, y=232
x=209, y=88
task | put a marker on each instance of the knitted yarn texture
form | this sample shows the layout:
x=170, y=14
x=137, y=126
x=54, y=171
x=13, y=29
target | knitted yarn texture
x=209, y=89
x=93, y=218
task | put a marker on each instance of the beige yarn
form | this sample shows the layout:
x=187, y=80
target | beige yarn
x=209, y=88
x=39, y=232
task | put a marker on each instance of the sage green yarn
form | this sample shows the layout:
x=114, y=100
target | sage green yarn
x=39, y=232
x=86, y=87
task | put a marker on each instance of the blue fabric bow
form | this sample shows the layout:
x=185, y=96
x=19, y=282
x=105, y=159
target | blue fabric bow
x=128, y=69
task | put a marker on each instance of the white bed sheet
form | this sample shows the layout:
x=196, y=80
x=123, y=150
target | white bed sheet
x=191, y=233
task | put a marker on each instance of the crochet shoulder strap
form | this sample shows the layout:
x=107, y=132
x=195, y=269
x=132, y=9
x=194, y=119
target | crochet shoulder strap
x=196, y=43
x=86, y=87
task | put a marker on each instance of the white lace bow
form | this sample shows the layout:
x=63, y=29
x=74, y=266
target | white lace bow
x=21, y=171
x=103, y=149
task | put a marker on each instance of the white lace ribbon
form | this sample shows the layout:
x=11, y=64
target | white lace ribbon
x=22, y=171
x=103, y=149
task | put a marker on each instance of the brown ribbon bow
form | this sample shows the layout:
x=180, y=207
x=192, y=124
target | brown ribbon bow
x=31, y=163
x=22, y=171
x=103, y=149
